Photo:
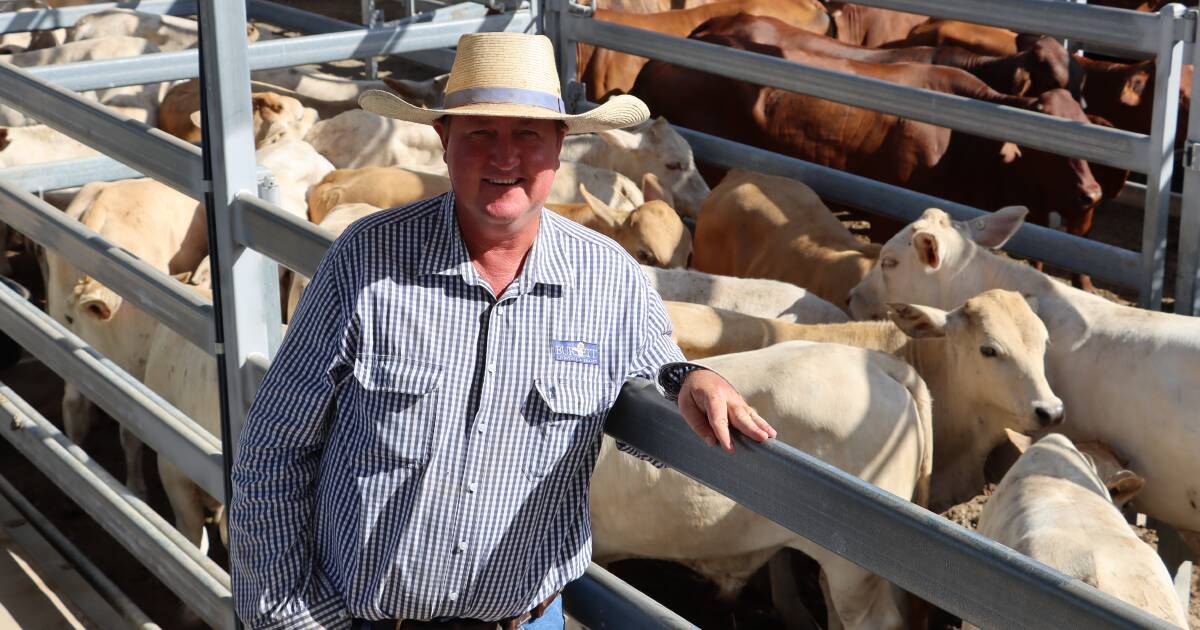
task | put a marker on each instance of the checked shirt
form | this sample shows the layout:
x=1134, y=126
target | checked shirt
x=422, y=448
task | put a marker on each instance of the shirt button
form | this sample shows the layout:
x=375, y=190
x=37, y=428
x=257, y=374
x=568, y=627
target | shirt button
x=462, y=545
x=491, y=368
x=482, y=426
x=471, y=486
x=452, y=597
x=499, y=311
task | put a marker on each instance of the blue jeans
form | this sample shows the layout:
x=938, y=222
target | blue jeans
x=552, y=619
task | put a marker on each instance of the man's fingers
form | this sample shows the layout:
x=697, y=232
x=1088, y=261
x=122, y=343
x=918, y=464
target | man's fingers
x=744, y=421
x=696, y=419
x=763, y=424
x=718, y=420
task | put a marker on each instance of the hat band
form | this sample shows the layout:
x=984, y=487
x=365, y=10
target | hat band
x=515, y=96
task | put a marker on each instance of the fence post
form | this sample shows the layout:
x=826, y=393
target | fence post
x=245, y=283
x=1187, y=274
x=1167, y=71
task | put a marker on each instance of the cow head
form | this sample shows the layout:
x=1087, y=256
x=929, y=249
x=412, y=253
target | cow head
x=276, y=117
x=1045, y=181
x=996, y=348
x=659, y=149
x=1091, y=465
x=430, y=93
x=930, y=260
x=652, y=233
x=1048, y=66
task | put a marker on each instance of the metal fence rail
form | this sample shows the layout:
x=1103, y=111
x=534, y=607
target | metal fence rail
x=1164, y=34
x=985, y=583
x=45, y=19
x=130, y=522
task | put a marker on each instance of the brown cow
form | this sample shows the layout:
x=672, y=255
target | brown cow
x=978, y=38
x=607, y=72
x=870, y=26
x=1123, y=94
x=1045, y=65
x=969, y=169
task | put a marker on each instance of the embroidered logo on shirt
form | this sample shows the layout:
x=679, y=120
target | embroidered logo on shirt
x=577, y=352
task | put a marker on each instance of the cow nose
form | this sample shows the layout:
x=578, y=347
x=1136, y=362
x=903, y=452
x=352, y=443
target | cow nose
x=1049, y=414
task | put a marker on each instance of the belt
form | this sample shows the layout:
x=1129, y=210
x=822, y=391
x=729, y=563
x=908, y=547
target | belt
x=510, y=623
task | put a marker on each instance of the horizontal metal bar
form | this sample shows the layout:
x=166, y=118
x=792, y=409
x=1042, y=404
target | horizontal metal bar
x=296, y=19
x=140, y=531
x=61, y=174
x=109, y=592
x=279, y=53
x=144, y=286
x=67, y=16
x=1100, y=260
x=195, y=451
x=151, y=151
x=1127, y=30
x=983, y=582
x=1114, y=147
x=600, y=599
x=289, y=240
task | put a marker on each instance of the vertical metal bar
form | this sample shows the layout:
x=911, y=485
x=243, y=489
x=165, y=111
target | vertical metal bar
x=245, y=283
x=1168, y=68
x=556, y=24
x=1187, y=273
x=370, y=19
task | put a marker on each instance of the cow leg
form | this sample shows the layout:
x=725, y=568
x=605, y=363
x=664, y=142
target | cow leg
x=785, y=593
x=79, y=414
x=187, y=502
x=862, y=600
x=135, y=464
x=832, y=621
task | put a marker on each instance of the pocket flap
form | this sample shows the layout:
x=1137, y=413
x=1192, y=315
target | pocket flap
x=393, y=374
x=573, y=396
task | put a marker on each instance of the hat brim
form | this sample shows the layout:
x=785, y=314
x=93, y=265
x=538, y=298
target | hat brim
x=619, y=111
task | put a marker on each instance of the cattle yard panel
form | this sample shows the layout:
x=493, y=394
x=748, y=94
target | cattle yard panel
x=1187, y=283
x=67, y=16
x=1164, y=33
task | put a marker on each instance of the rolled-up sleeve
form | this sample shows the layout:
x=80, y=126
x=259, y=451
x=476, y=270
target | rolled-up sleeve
x=271, y=514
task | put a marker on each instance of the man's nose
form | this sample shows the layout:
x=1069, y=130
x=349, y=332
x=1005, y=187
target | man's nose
x=504, y=154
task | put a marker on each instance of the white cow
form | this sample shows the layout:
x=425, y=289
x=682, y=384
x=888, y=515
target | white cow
x=168, y=32
x=330, y=95
x=297, y=167
x=1054, y=506
x=760, y=298
x=35, y=144
x=146, y=219
x=860, y=410
x=139, y=102
x=358, y=138
x=652, y=147
x=1129, y=377
x=336, y=221
x=983, y=362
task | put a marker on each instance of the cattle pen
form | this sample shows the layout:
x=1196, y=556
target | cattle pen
x=249, y=235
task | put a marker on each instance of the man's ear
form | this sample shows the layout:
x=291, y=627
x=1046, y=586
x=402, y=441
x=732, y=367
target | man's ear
x=918, y=322
x=929, y=249
x=442, y=127
x=993, y=230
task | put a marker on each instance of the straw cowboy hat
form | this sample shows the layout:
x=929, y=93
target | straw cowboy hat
x=508, y=74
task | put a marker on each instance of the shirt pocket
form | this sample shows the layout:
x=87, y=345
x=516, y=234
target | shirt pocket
x=395, y=409
x=563, y=417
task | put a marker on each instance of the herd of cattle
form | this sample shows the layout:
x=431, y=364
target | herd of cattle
x=971, y=349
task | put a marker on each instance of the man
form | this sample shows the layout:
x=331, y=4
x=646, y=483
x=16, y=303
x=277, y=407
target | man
x=422, y=446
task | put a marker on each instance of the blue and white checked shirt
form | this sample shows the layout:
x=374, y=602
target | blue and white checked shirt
x=420, y=448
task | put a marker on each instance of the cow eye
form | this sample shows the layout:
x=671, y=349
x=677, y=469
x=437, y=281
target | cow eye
x=888, y=263
x=987, y=351
x=674, y=166
x=644, y=257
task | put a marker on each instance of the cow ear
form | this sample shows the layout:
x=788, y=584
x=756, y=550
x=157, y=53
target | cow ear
x=652, y=190
x=918, y=322
x=603, y=212
x=619, y=138
x=266, y=101
x=929, y=249
x=993, y=230
x=1131, y=92
x=195, y=118
x=1010, y=152
x=1021, y=84
x=1124, y=485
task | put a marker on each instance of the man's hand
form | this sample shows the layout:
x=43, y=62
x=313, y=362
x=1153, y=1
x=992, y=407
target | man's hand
x=710, y=405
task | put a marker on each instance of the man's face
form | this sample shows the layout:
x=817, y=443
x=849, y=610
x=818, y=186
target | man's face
x=501, y=169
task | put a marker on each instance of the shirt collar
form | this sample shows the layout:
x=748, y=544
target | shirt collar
x=445, y=253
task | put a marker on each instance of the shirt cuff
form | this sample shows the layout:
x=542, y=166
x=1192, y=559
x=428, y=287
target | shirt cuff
x=328, y=615
x=671, y=376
